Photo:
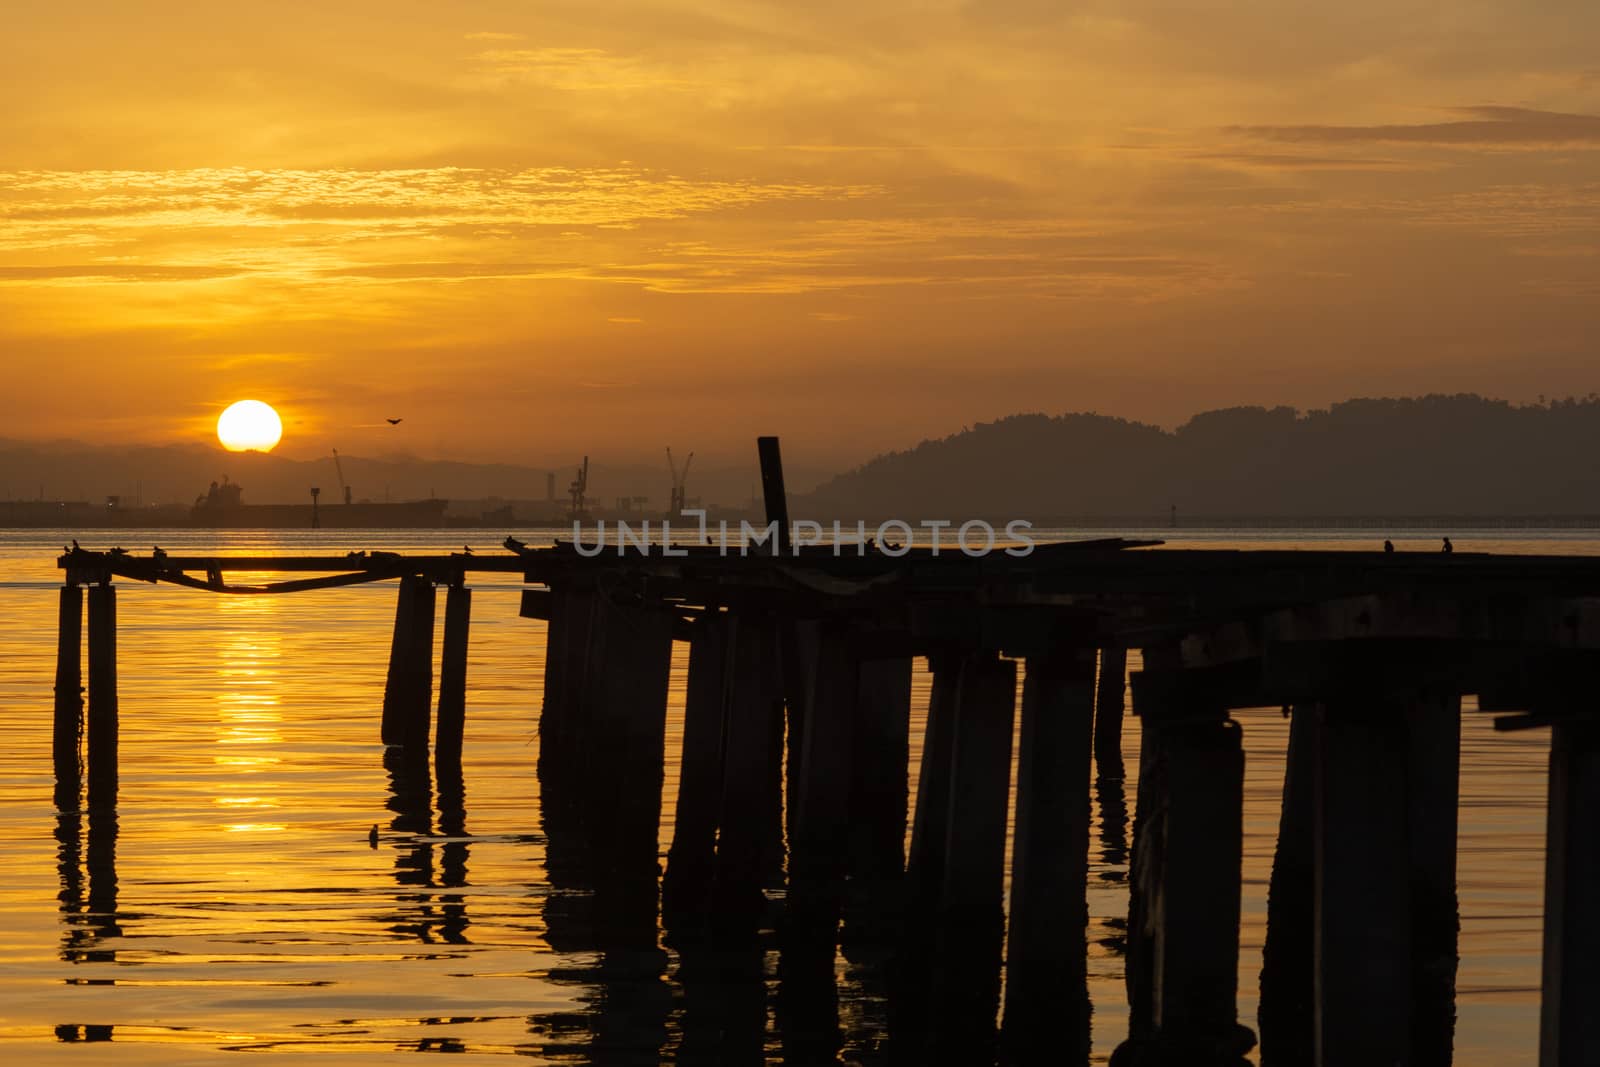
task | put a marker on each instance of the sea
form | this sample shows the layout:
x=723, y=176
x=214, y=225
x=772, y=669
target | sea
x=237, y=903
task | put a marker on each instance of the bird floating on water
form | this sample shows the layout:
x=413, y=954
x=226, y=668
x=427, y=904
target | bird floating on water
x=372, y=836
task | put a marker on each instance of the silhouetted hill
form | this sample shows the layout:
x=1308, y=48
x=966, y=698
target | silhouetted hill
x=1432, y=455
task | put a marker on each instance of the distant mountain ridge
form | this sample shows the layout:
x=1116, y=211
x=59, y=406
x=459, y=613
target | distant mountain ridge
x=1431, y=455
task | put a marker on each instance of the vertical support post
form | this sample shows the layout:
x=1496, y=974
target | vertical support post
x=1569, y=1027
x=819, y=839
x=68, y=733
x=451, y=725
x=750, y=844
x=626, y=703
x=1362, y=897
x=1109, y=699
x=1183, y=926
x=103, y=726
x=1046, y=948
x=1433, y=762
x=971, y=911
x=393, y=726
x=686, y=884
x=1285, y=1018
x=931, y=821
x=879, y=793
x=777, y=501
x=417, y=701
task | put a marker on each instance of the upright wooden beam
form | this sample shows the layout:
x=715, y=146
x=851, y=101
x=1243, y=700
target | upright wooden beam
x=392, y=729
x=67, y=744
x=417, y=700
x=1183, y=953
x=451, y=725
x=930, y=824
x=819, y=842
x=1288, y=1006
x=103, y=725
x=1046, y=945
x=970, y=914
x=626, y=706
x=750, y=843
x=1569, y=1026
x=879, y=796
x=1110, y=696
x=686, y=883
x=772, y=490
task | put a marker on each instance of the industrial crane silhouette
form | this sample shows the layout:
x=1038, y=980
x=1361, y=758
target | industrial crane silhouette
x=678, y=499
x=338, y=468
x=577, y=490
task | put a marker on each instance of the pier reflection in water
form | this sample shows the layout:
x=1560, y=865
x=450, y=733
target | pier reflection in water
x=305, y=939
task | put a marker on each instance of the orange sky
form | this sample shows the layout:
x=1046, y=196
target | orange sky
x=535, y=228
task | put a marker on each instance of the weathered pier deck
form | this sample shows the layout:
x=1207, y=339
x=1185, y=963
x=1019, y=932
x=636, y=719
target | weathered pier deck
x=794, y=769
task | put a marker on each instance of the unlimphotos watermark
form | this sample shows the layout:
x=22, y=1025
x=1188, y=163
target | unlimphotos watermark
x=892, y=537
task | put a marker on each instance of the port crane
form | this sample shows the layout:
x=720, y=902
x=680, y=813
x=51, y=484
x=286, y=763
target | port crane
x=578, y=489
x=338, y=468
x=679, y=498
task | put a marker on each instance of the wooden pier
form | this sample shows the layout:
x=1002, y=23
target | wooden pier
x=794, y=768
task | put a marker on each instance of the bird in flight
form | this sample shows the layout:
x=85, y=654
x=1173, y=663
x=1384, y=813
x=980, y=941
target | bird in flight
x=392, y=422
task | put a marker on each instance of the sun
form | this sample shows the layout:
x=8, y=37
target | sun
x=249, y=426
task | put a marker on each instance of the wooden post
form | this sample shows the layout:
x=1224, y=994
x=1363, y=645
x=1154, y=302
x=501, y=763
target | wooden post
x=392, y=730
x=1109, y=699
x=626, y=705
x=1047, y=997
x=1285, y=1018
x=417, y=702
x=1433, y=761
x=879, y=791
x=931, y=822
x=776, y=499
x=68, y=734
x=971, y=910
x=1362, y=896
x=686, y=885
x=1569, y=1027
x=750, y=842
x=451, y=725
x=103, y=726
x=819, y=841
x=1183, y=926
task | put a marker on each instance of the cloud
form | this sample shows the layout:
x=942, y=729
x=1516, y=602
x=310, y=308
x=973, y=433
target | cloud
x=1488, y=127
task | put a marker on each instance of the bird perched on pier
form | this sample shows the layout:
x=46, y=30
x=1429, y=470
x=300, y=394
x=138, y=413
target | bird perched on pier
x=158, y=553
x=1448, y=547
x=393, y=422
x=1388, y=546
x=119, y=551
x=519, y=547
x=75, y=547
x=466, y=550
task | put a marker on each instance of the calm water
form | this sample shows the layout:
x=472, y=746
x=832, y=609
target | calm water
x=236, y=905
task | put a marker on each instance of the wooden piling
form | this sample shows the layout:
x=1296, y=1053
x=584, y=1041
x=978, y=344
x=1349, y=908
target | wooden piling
x=625, y=702
x=1362, y=924
x=1046, y=945
x=1183, y=927
x=930, y=824
x=819, y=838
x=686, y=883
x=1287, y=1006
x=772, y=491
x=452, y=715
x=1569, y=1027
x=1109, y=698
x=102, y=725
x=879, y=793
x=1433, y=761
x=971, y=908
x=750, y=843
x=392, y=729
x=416, y=702
x=68, y=725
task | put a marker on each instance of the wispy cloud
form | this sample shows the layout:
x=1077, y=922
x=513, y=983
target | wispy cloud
x=1485, y=126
